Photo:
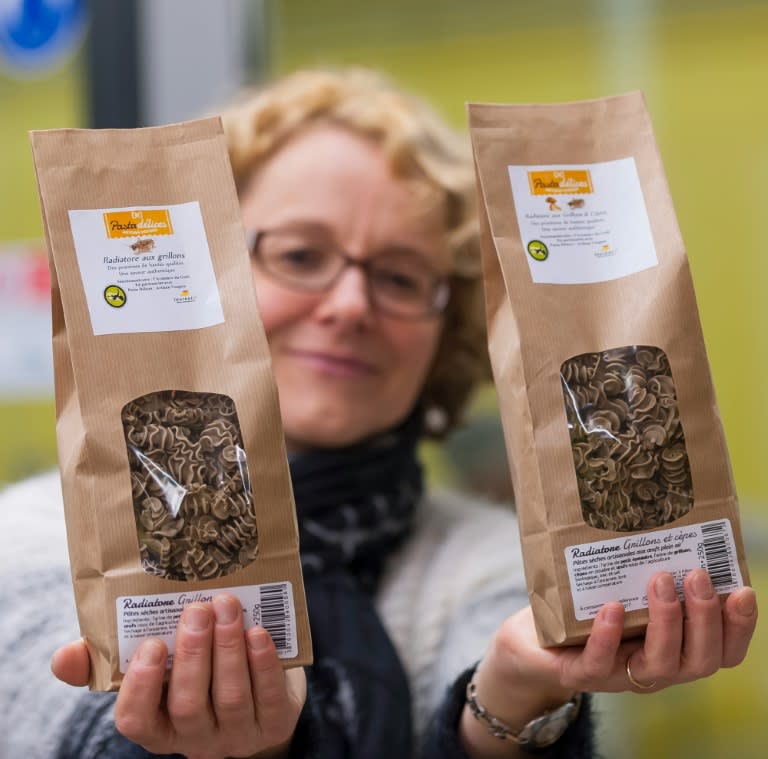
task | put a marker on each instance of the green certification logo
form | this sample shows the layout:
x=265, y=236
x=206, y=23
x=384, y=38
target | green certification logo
x=537, y=250
x=115, y=296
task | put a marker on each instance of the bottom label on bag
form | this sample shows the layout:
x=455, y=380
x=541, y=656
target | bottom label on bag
x=156, y=616
x=619, y=569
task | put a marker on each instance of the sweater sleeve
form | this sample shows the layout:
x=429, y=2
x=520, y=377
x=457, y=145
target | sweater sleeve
x=446, y=594
x=38, y=615
x=441, y=740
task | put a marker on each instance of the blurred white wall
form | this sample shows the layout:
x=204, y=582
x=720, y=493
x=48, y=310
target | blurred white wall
x=192, y=55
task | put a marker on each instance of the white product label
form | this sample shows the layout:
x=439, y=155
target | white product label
x=619, y=569
x=142, y=617
x=146, y=269
x=582, y=223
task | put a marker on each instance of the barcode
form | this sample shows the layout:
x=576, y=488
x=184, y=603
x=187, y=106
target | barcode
x=717, y=557
x=275, y=609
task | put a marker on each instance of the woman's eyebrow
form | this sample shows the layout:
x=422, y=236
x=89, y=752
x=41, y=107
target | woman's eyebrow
x=311, y=226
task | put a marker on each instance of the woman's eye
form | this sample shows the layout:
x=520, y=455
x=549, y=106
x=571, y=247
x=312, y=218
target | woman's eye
x=399, y=281
x=302, y=258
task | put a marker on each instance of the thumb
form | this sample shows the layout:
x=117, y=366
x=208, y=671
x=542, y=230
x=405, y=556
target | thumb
x=71, y=663
x=296, y=681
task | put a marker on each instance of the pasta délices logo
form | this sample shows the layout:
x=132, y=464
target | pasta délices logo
x=560, y=182
x=146, y=223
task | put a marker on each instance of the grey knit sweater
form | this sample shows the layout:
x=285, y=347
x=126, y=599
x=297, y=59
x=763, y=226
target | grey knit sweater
x=441, y=598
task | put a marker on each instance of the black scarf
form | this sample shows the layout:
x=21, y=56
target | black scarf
x=354, y=505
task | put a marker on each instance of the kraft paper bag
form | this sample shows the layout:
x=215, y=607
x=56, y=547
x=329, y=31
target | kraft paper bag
x=172, y=458
x=615, y=444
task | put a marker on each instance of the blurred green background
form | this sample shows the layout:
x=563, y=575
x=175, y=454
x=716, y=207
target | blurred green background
x=703, y=67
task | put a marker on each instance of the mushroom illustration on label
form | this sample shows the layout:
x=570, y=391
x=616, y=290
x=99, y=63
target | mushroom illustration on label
x=576, y=203
x=552, y=202
x=143, y=246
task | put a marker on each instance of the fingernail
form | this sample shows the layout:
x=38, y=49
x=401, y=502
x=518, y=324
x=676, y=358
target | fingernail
x=226, y=609
x=701, y=585
x=151, y=652
x=614, y=615
x=746, y=604
x=665, y=588
x=258, y=639
x=196, y=618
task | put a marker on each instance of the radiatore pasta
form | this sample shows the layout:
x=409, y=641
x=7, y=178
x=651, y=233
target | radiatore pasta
x=192, y=497
x=627, y=439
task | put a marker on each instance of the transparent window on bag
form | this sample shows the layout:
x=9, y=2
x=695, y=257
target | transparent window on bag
x=627, y=440
x=192, y=499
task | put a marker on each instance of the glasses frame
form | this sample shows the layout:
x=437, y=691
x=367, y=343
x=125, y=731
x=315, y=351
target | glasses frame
x=440, y=285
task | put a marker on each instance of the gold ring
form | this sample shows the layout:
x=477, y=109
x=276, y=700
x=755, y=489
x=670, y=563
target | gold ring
x=634, y=682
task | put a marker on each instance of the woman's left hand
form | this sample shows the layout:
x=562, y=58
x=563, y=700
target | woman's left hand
x=678, y=646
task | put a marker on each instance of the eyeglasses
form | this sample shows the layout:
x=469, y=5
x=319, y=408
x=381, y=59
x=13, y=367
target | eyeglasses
x=399, y=282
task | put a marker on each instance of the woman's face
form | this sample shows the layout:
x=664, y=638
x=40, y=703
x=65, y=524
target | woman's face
x=343, y=369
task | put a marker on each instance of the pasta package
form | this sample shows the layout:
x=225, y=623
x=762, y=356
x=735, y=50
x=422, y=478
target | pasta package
x=172, y=458
x=614, y=440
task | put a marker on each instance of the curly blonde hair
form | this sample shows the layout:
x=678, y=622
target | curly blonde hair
x=421, y=149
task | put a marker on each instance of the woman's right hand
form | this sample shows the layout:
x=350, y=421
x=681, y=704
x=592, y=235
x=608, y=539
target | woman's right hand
x=228, y=694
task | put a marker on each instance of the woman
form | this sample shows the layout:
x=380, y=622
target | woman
x=359, y=206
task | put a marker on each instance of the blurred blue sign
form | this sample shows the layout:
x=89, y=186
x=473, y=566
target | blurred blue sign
x=37, y=34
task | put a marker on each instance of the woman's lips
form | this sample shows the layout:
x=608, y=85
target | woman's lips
x=331, y=364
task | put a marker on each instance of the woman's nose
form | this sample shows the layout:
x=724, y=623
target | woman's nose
x=349, y=298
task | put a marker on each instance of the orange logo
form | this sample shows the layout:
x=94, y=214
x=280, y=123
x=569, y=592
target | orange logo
x=138, y=223
x=560, y=182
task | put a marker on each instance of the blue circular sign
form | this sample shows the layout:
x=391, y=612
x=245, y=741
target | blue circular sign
x=37, y=34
